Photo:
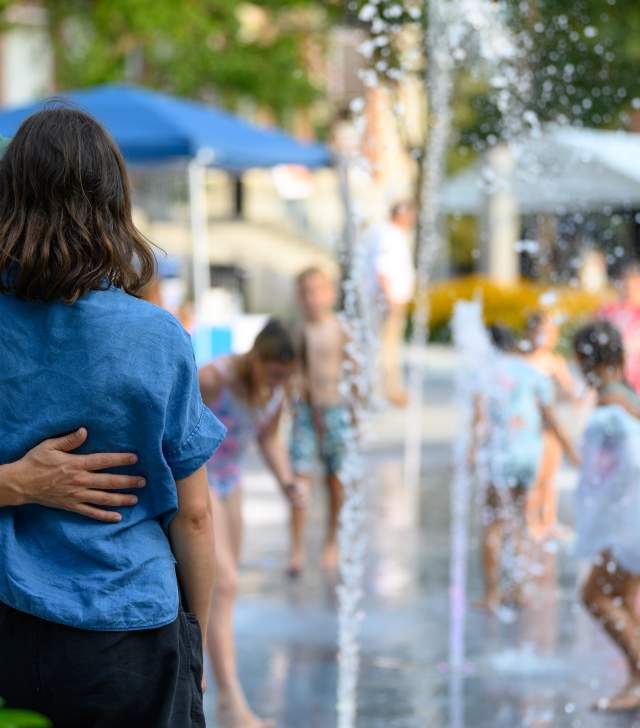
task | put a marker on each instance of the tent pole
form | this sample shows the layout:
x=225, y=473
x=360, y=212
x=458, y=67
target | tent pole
x=199, y=234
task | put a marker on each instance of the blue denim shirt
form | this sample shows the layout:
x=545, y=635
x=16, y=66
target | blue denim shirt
x=124, y=369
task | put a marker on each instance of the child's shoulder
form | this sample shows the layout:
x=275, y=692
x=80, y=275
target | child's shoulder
x=332, y=326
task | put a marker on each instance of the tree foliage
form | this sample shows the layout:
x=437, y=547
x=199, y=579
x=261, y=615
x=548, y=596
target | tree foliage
x=581, y=56
x=582, y=59
x=223, y=50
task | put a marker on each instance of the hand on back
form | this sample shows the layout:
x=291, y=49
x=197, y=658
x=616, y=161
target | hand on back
x=52, y=476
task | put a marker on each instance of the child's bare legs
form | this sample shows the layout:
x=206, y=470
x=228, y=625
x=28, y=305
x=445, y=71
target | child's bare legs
x=505, y=524
x=535, y=507
x=233, y=711
x=609, y=594
x=297, y=527
x=492, y=539
x=336, y=497
x=552, y=459
x=517, y=534
x=542, y=508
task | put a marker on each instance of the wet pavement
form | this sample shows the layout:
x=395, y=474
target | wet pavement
x=541, y=668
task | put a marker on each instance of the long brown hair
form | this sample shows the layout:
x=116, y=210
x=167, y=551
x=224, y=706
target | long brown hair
x=65, y=212
x=273, y=344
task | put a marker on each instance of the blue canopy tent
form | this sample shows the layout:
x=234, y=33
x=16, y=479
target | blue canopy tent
x=151, y=127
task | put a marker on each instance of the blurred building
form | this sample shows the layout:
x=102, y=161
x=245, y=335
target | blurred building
x=26, y=55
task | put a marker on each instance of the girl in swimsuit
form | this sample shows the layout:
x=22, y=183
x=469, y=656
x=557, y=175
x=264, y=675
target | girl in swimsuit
x=247, y=393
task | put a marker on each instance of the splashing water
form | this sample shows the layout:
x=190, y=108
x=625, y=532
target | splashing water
x=474, y=362
x=357, y=391
x=458, y=31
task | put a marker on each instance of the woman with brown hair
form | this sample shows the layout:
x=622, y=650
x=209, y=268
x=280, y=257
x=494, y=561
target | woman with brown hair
x=97, y=606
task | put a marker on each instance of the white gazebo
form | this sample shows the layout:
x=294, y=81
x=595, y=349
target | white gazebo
x=558, y=171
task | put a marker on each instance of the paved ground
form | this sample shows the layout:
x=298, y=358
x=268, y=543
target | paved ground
x=541, y=670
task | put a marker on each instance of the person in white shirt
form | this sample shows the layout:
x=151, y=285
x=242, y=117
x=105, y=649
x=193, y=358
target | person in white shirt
x=390, y=278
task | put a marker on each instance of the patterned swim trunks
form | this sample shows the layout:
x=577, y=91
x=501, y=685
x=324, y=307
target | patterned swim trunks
x=318, y=432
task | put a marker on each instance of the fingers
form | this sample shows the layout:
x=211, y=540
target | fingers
x=102, y=498
x=104, y=460
x=69, y=442
x=105, y=481
x=96, y=513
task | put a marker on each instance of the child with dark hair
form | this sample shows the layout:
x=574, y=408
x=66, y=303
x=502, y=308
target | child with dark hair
x=97, y=606
x=608, y=501
x=514, y=409
x=247, y=393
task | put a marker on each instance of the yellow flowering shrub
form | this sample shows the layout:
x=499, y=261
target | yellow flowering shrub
x=511, y=303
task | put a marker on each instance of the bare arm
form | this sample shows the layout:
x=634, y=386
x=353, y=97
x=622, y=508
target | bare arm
x=191, y=533
x=276, y=457
x=554, y=425
x=613, y=398
x=50, y=475
x=211, y=382
x=564, y=378
x=476, y=424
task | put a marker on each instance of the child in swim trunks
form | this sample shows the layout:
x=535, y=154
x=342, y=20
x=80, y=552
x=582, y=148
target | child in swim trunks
x=247, y=393
x=515, y=408
x=608, y=501
x=321, y=417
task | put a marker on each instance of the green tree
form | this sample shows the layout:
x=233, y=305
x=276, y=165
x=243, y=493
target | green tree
x=582, y=57
x=228, y=51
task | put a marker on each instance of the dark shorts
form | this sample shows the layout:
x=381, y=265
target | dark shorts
x=85, y=679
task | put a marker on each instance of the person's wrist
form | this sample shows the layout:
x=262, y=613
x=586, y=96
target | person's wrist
x=15, y=483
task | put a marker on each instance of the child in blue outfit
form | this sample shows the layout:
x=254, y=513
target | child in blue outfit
x=93, y=622
x=515, y=409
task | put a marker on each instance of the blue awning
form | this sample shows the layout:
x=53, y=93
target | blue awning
x=152, y=127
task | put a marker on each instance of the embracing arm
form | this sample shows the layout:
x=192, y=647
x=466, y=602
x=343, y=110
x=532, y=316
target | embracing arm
x=50, y=475
x=191, y=534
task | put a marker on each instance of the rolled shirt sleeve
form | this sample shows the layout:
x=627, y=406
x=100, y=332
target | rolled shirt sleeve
x=192, y=432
